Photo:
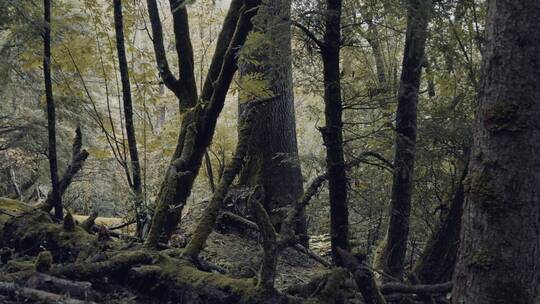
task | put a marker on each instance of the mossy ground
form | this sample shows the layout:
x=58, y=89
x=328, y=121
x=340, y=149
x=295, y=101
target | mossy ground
x=149, y=275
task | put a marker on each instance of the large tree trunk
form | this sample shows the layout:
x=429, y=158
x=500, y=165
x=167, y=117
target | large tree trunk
x=393, y=254
x=333, y=131
x=51, y=120
x=128, y=114
x=273, y=155
x=500, y=239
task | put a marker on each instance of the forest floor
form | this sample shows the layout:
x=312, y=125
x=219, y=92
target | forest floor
x=23, y=238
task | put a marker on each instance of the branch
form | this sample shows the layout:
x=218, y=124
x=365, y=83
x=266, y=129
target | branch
x=78, y=157
x=224, y=40
x=159, y=49
x=309, y=34
x=267, y=272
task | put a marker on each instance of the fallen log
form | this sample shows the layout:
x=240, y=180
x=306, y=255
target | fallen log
x=116, y=265
x=13, y=289
x=79, y=290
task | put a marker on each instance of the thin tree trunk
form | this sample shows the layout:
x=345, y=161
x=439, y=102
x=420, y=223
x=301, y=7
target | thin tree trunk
x=16, y=187
x=333, y=131
x=499, y=256
x=128, y=114
x=437, y=262
x=51, y=120
x=374, y=42
x=393, y=254
x=209, y=172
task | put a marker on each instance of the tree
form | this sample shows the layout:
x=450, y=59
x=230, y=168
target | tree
x=393, y=254
x=437, y=261
x=333, y=131
x=498, y=254
x=135, y=182
x=273, y=154
x=51, y=119
x=199, y=122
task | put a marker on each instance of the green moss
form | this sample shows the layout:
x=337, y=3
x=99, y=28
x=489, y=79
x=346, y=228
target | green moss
x=503, y=116
x=334, y=282
x=17, y=266
x=378, y=255
x=13, y=207
x=480, y=184
x=359, y=253
x=69, y=223
x=44, y=261
x=36, y=230
x=168, y=276
x=481, y=260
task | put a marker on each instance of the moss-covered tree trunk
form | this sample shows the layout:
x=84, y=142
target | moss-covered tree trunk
x=500, y=240
x=199, y=122
x=393, y=254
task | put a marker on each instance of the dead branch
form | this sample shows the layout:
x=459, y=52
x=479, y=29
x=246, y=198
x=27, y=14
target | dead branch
x=78, y=157
x=89, y=221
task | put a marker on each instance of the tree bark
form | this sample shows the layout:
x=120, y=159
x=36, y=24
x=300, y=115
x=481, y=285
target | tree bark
x=51, y=119
x=273, y=156
x=500, y=239
x=199, y=123
x=207, y=221
x=128, y=115
x=393, y=254
x=333, y=131
x=184, y=87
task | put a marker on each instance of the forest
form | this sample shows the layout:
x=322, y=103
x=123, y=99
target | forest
x=270, y=151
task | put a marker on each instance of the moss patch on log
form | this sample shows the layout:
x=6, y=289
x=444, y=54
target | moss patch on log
x=36, y=231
